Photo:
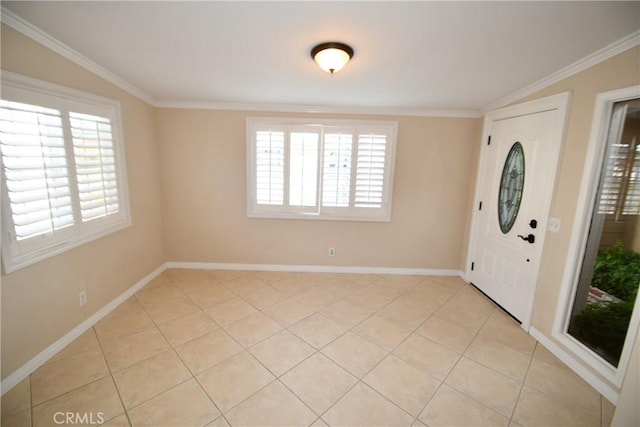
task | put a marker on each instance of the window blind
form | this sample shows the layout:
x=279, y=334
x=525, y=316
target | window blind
x=320, y=169
x=269, y=166
x=336, y=184
x=95, y=164
x=370, y=170
x=303, y=168
x=63, y=169
x=35, y=169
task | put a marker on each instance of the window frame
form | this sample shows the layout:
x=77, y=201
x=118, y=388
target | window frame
x=336, y=213
x=19, y=254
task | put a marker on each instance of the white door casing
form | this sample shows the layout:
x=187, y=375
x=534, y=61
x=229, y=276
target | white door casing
x=501, y=264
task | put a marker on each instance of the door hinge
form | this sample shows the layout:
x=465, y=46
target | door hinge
x=473, y=264
x=489, y=140
x=480, y=206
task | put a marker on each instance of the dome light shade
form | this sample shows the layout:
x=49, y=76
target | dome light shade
x=332, y=56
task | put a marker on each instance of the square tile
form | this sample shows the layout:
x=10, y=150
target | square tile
x=355, y=354
x=253, y=329
x=230, y=311
x=293, y=286
x=428, y=295
x=485, y=385
x=317, y=330
x=341, y=286
x=190, y=285
x=539, y=409
x=114, y=328
x=233, y=380
x=362, y=406
x=403, y=384
x=17, y=399
x=184, y=405
x=186, y=328
x=449, y=407
x=208, y=350
x=372, y=297
x=468, y=309
x=167, y=309
x=149, y=378
x=382, y=332
x=404, y=315
x=134, y=348
x=274, y=405
x=505, y=360
x=288, y=312
x=564, y=385
x=504, y=330
x=129, y=306
x=54, y=379
x=428, y=356
x=281, y=352
x=316, y=298
x=99, y=400
x=319, y=382
x=211, y=295
x=347, y=313
x=245, y=285
x=85, y=342
x=264, y=296
x=446, y=333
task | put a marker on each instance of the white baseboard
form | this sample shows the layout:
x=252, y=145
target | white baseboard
x=28, y=368
x=595, y=382
x=315, y=268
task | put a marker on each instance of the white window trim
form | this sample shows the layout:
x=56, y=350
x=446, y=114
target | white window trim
x=577, y=246
x=382, y=214
x=12, y=258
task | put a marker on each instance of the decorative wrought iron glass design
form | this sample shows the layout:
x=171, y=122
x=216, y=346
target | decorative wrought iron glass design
x=511, y=184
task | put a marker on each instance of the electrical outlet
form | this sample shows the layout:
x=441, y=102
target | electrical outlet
x=82, y=298
x=332, y=251
x=554, y=225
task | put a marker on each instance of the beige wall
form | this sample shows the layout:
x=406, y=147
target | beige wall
x=620, y=71
x=40, y=302
x=203, y=172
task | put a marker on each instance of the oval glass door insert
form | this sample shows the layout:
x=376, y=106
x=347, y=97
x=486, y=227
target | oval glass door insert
x=511, y=185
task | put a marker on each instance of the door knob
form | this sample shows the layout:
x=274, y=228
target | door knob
x=530, y=238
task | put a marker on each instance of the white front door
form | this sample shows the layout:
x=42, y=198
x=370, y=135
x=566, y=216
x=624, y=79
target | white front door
x=515, y=183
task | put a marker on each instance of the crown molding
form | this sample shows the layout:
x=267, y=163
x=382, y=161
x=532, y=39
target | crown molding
x=319, y=109
x=615, y=48
x=17, y=23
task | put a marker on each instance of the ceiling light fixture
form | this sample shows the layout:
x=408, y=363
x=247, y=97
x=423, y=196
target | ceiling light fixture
x=332, y=56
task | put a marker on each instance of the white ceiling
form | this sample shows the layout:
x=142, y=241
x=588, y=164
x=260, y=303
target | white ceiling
x=413, y=56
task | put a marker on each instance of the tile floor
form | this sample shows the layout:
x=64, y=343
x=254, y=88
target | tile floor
x=218, y=348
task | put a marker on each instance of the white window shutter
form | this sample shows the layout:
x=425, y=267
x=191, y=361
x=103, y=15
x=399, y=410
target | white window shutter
x=336, y=178
x=35, y=169
x=269, y=167
x=95, y=163
x=370, y=170
x=303, y=169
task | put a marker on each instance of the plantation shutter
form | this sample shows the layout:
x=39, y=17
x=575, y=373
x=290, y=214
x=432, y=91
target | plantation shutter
x=336, y=170
x=370, y=170
x=270, y=167
x=620, y=183
x=95, y=164
x=303, y=168
x=35, y=169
